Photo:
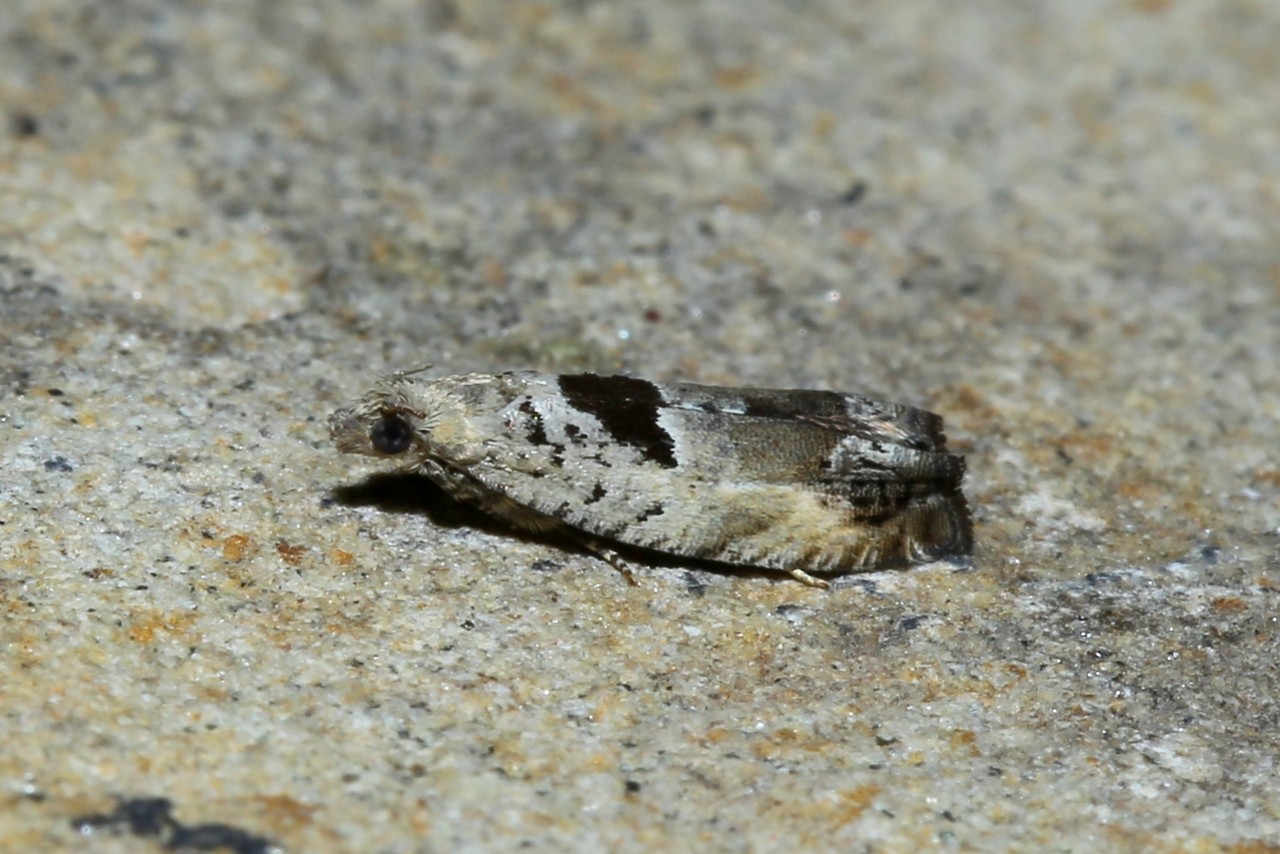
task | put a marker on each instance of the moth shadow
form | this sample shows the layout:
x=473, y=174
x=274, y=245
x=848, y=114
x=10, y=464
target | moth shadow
x=417, y=495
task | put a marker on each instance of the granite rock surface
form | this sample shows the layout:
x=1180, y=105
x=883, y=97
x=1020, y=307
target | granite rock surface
x=1055, y=223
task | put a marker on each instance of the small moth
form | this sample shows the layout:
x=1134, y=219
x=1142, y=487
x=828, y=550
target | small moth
x=787, y=479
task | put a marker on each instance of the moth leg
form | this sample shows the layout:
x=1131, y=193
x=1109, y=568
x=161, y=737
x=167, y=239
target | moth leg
x=807, y=579
x=610, y=557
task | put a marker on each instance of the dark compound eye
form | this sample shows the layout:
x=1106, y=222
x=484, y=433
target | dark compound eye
x=391, y=434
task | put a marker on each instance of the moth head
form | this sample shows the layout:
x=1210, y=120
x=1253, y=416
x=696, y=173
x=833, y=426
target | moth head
x=405, y=418
x=379, y=429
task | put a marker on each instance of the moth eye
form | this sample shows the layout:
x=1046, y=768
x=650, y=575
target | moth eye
x=391, y=434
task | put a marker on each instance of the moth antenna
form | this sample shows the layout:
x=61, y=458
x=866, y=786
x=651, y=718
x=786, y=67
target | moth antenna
x=416, y=369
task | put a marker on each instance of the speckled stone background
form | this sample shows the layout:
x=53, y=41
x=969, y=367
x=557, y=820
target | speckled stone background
x=1056, y=223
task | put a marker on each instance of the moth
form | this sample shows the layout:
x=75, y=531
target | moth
x=788, y=479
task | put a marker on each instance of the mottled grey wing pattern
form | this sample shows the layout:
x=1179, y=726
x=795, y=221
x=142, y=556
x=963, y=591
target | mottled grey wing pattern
x=852, y=414
x=787, y=479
